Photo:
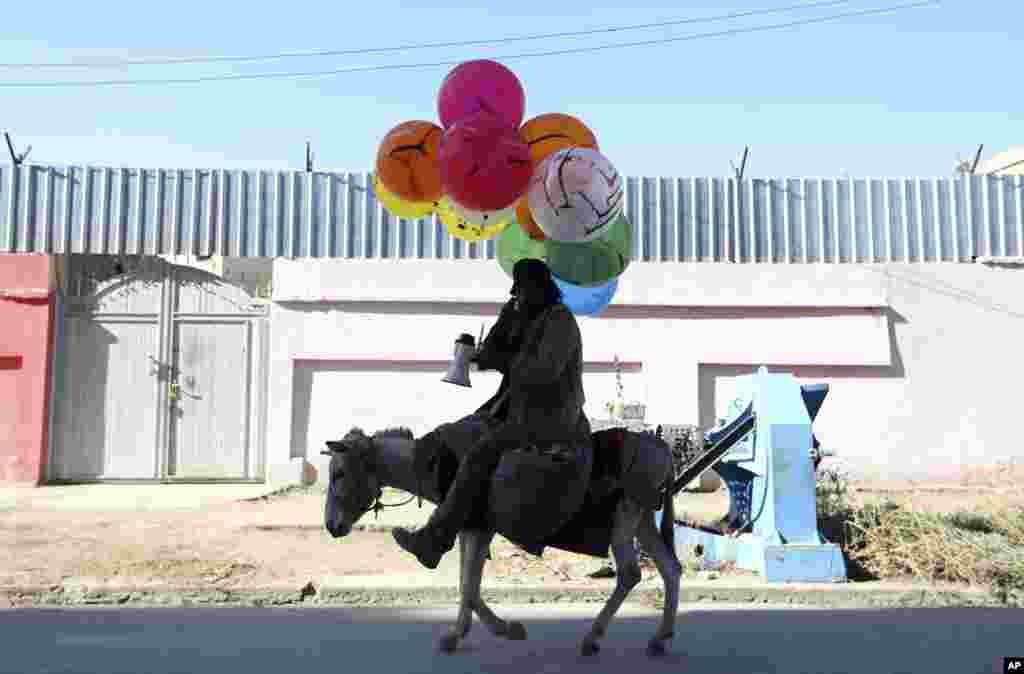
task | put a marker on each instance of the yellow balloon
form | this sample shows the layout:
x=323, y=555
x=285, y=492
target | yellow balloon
x=411, y=210
x=465, y=229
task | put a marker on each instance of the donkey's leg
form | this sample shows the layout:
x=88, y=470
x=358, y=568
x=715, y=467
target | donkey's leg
x=500, y=628
x=509, y=629
x=627, y=518
x=670, y=571
x=450, y=641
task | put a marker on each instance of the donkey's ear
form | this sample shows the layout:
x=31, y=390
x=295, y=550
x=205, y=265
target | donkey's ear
x=334, y=446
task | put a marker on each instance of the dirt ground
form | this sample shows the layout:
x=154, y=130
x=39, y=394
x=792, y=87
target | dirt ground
x=277, y=542
x=280, y=541
x=942, y=498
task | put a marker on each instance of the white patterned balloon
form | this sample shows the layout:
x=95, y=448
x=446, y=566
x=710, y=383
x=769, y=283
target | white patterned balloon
x=575, y=195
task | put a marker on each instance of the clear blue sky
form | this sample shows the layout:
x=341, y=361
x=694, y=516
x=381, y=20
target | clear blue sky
x=887, y=95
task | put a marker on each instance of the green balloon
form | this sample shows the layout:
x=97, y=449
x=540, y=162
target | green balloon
x=514, y=245
x=584, y=264
x=595, y=262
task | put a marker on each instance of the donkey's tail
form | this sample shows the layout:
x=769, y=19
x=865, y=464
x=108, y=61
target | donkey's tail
x=668, y=521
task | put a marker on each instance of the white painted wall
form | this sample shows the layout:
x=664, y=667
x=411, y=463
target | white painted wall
x=921, y=358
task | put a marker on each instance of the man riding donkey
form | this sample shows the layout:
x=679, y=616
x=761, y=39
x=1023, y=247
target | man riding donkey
x=536, y=346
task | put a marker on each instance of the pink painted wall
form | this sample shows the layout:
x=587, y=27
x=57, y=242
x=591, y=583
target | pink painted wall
x=26, y=324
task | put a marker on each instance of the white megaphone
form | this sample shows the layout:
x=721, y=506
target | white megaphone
x=458, y=368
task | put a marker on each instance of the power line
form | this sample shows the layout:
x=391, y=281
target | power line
x=509, y=57
x=429, y=45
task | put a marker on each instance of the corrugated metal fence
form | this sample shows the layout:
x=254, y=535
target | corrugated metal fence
x=295, y=214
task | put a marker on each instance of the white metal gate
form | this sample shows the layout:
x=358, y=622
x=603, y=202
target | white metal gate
x=160, y=375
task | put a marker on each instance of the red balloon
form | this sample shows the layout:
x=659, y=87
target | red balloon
x=485, y=164
x=481, y=86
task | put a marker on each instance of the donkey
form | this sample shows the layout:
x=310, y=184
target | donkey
x=361, y=466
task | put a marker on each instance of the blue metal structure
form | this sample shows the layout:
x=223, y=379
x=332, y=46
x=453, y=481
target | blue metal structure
x=298, y=214
x=765, y=456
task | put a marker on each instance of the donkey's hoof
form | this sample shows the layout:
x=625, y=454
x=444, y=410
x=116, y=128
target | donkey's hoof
x=449, y=643
x=588, y=648
x=516, y=631
x=656, y=648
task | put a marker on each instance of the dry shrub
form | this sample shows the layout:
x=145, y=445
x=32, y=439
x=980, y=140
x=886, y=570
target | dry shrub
x=902, y=541
x=886, y=540
x=835, y=513
x=1009, y=521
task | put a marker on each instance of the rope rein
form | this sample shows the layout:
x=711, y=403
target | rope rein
x=377, y=506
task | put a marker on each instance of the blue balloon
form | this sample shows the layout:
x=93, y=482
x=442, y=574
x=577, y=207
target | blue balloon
x=587, y=300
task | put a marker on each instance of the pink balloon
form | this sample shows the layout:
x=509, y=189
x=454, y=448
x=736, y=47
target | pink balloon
x=481, y=85
x=485, y=165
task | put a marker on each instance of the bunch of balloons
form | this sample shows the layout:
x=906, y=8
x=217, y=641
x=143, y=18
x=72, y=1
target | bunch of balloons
x=541, y=188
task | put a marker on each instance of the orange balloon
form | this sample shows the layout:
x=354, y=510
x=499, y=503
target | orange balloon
x=547, y=134
x=407, y=161
x=525, y=219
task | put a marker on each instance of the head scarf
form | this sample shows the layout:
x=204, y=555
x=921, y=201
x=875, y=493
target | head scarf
x=536, y=270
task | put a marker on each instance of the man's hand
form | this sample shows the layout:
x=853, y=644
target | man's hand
x=489, y=359
x=502, y=341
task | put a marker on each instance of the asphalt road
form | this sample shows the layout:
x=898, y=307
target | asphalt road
x=384, y=640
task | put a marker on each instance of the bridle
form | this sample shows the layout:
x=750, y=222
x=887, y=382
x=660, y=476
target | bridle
x=376, y=505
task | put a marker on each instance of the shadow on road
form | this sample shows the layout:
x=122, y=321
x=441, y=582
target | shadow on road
x=384, y=640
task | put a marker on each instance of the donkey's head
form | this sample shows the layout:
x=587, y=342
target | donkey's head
x=353, y=485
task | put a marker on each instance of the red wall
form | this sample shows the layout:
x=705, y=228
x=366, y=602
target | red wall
x=26, y=323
